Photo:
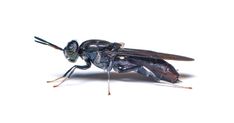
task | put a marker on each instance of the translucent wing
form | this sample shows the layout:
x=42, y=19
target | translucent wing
x=152, y=54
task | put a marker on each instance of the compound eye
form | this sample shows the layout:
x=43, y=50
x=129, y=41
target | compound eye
x=71, y=51
x=72, y=46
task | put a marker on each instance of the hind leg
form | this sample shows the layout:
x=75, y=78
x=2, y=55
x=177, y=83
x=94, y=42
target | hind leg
x=147, y=73
x=135, y=68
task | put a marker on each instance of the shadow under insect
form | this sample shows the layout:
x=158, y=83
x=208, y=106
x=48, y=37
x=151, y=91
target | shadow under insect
x=126, y=77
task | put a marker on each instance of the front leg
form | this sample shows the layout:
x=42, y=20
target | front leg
x=69, y=73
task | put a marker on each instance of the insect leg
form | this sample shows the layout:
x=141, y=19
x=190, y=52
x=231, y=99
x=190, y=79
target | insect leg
x=61, y=76
x=108, y=75
x=124, y=67
x=69, y=73
x=168, y=84
x=64, y=77
x=147, y=73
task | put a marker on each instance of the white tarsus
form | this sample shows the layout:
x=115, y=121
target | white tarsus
x=173, y=85
x=63, y=79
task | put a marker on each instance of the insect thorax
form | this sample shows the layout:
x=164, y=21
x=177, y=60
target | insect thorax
x=99, y=59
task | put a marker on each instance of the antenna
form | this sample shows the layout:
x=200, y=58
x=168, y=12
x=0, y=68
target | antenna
x=42, y=41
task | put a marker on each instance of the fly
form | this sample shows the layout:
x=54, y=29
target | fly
x=108, y=56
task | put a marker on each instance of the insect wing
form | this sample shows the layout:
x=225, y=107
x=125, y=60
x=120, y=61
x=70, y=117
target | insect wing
x=152, y=54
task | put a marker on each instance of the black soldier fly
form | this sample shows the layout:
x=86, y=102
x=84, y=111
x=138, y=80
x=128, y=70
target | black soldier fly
x=108, y=56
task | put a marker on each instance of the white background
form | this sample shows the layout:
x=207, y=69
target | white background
x=201, y=29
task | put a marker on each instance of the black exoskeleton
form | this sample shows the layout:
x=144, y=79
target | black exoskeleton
x=108, y=56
